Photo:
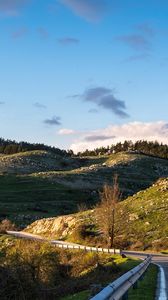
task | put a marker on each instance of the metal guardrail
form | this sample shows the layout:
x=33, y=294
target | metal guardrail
x=86, y=248
x=118, y=288
x=63, y=245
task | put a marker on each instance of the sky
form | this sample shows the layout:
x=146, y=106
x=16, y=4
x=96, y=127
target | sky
x=79, y=74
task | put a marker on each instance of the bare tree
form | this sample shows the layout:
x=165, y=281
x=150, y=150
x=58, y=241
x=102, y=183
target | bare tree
x=108, y=213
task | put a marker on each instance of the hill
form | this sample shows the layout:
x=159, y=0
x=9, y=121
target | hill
x=11, y=147
x=135, y=171
x=35, y=161
x=148, y=219
x=41, y=184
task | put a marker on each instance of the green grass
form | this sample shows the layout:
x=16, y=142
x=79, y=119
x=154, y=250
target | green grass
x=146, y=287
x=24, y=199
x=79, y=296
x=115, y=263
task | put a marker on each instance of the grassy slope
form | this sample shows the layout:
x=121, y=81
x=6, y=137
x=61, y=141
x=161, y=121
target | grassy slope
x=148, y=214
x=24, y=199
x=146, y=287
x=30, y=189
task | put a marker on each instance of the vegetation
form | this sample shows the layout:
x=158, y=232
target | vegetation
x=34, y=270
x=146, y=212
x=27, y=196
x=40, y=184
x=79, y=296
x=144, y=147
x=147, y=286
x=11, y=147
x=6, y=225
x=106, y=211
x=24, y=199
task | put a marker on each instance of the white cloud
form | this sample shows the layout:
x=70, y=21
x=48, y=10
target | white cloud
x=134, y=131
x=65, y=131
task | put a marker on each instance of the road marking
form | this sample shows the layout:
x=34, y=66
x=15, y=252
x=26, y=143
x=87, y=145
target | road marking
x=162, y=292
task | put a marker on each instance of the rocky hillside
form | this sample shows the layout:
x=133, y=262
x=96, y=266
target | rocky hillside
x=148, y=219
x=35, y=161
x=135, y=171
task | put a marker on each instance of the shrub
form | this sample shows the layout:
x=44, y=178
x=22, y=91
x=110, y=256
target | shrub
x=6, y=225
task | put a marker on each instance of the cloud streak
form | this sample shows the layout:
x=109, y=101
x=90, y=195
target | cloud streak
x=17, y=34
x=66, y=131
x=93, y=111
x=66, y=41
x=136, y=41
x=94, y=138
x=43, y=33
x=146, y=29
x=90, y=10
x=104, y=98
x=40, y=105
x=140, y=57
x=53, y=121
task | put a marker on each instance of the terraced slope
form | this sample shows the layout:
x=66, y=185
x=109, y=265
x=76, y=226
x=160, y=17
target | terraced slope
x=24, y=199
x=148, y=219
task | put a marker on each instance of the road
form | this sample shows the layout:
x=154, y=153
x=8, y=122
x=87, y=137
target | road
x=159, y=259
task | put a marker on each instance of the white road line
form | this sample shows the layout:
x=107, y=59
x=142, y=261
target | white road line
x=162, y=291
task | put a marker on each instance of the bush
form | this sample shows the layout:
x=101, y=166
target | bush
x=6, y=225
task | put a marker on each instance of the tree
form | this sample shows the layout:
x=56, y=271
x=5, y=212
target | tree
x=109, y=214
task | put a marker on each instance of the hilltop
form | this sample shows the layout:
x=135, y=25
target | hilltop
x=148, y=215
x=35, y=161
x=40, y=184
x=12, y=147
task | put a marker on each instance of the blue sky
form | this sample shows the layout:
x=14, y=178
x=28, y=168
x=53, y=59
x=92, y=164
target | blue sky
x=83, y=73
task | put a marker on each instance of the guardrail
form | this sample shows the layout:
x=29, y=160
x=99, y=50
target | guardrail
x=61, y=244
x=119, y=288
x=85, y=248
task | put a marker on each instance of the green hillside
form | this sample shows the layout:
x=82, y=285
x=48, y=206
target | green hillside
x=147, y=227
x=148, y=211
x=39, y=184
